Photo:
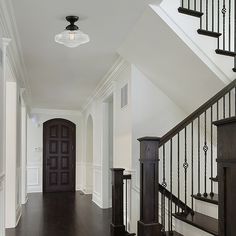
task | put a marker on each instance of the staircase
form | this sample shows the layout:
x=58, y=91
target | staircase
x=184, y=163
x=217, y=20
x=187, y=176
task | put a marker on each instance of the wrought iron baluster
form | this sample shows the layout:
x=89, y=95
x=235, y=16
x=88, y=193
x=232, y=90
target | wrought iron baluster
x=164, y=184
x=217, y=110
x=229, y=25
x=224, y=26
x=201, y=16
x=171, y=182
x=234, y=34
x=229, y=103
x=212, y=192
x=163, y=211
x=213, y=16
x=185, y=165
x=235, y=99
x=205, y=149
x=199, y=160
x=207, y=13
x=178, y=157
x=126, y=204
x=224, y=107
x=218, y=24
x=192, y=174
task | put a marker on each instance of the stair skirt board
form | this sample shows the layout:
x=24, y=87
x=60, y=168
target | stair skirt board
x=189, y=230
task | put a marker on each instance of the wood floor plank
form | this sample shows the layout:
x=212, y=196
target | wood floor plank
x=60, y=214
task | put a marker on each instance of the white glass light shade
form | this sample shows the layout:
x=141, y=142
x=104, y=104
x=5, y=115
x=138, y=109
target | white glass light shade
x=72, y=39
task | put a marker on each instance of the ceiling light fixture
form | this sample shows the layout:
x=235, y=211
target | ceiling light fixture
x=72, y=36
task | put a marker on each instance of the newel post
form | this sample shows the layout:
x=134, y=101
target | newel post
x=149, y=188
x=117, y=225
x=226, y=168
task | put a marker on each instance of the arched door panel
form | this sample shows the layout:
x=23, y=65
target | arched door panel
x=58, y=156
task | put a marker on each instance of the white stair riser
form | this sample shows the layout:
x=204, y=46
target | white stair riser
x=206, y=208
x=189, y=230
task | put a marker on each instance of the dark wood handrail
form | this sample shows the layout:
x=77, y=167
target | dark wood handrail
x=175, y=200
x=197, y=113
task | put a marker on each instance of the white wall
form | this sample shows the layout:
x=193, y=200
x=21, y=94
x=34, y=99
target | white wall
x=3, y=77
x=88, y=188
x=122, y=123
x=35, y=145
x=153, y=114
x=2, y=152
x=98, y=108
x=23, y=152
x=11, y=154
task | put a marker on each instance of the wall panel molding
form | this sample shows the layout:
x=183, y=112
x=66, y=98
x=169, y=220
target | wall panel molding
x=2, y=204
x=34, y=179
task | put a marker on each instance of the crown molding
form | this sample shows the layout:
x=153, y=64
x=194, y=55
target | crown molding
x=106, y=84
x=55, y=112
x=8, y=29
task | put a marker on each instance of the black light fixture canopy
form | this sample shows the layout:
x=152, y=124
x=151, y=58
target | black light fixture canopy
x=72, y=20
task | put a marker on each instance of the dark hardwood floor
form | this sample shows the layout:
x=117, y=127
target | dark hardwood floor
x=62, y=214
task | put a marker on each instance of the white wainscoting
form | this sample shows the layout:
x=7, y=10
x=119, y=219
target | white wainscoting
x=79, y=176
x=2, y=204
x=34, y=178
x=97, y=185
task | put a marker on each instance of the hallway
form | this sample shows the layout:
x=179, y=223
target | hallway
x=60, y=214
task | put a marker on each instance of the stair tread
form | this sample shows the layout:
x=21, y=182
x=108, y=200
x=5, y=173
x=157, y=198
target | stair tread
x=211, y=199
x=172, y=233
x=226, y=53
x=214, y=179
x=209, y=33
x=201, y=221
x=129, y=234
x=190, y=12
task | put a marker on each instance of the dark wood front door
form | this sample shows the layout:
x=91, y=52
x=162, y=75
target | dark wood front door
x=58, y=156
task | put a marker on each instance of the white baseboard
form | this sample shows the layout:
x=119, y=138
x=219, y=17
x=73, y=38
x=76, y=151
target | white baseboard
x=18, y=214
x=97, y=200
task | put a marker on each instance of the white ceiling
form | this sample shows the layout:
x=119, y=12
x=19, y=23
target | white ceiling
x=60, y=77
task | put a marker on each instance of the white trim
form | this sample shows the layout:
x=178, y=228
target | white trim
x=34, y=187
x=55, y=112
x=9, y=29
x=106, y=84
x=18, y=214
x=37, y=171
x=2, y=180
